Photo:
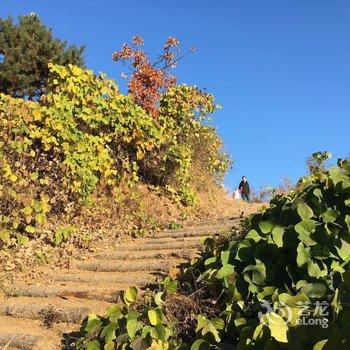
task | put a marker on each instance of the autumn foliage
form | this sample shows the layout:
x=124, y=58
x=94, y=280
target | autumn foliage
x=84, y=138
x=148, y=80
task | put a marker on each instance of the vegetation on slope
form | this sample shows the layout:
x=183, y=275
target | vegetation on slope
x=85, y=140
x=284, y=283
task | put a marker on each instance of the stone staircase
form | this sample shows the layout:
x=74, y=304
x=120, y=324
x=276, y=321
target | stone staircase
x=34, y=315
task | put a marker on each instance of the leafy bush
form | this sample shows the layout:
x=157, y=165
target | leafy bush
x=62, y=234
x=125, y=328
x=84, y=136
x=283, y=284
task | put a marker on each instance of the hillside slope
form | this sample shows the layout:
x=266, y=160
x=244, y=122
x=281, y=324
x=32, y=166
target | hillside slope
x=39, y=306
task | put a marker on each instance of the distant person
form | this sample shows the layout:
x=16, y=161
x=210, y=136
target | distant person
x=244, y=189
x=237, y=195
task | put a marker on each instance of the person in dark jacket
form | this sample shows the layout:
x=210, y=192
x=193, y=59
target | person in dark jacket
x=244, y=189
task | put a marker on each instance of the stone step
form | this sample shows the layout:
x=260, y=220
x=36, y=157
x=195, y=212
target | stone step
x=51, y=309
x=150, y=254
x=43, y=312
x=107, y=292
x=199, y=231
x=150, y=265
x=20, y=340
x=133, y=247
x=137, y=278
x=165, y=240
x=26, y=334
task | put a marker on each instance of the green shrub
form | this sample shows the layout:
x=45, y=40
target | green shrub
x=62, y=234
x=284, y=284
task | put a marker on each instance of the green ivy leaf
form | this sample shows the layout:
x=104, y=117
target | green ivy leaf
x=225, y=257
x=108, y=332
x=170, y=285
x=337, y=175
x=40, y=218
x=146, y=330
x=224, y=271
x=37, y=207
x=347, y=221
x=329, y=215
x=109, y=346
x=314, y=270
x=210, y=261
x=161, y=332
x=305, y=229
x=114, y=313
x=265, y=226
x=93, y=345
x=218, y=323
x=130, y=295
x=200, y=344
x=343, y=249
x=304, y=211
x=93, y=324
x=210, y=328
x=314, y=290
x=277, y=236
x=159, y=298
x=303, y=254
x=201, y=322
x=45, y=198
x=254, y=235
x=132, y=326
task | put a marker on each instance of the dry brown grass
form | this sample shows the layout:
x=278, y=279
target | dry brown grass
x=6, y=345
x=141, y=211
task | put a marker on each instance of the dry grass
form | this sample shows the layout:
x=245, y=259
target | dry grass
x=6, y=345
x=141, y=211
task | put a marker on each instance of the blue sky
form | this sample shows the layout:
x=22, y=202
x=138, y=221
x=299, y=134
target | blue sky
x=280, y=69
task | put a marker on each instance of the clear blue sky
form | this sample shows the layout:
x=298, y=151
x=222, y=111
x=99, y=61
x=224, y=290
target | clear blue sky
x=281, y=68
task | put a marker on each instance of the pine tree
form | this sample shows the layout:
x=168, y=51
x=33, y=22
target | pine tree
x=25, y=51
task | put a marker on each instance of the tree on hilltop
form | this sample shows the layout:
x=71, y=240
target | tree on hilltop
x=26, y=49
x=148, y=80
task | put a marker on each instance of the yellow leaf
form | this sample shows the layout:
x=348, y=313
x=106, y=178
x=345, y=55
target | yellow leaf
x=29, y=229
x=40, y=218
x=13, y=177
x=76, y=70
x=4, y=236
x=153, y=317
x=27, y=210
x=140, y=154
x=278, y=327
x=46, y=207
x=36, y=114
x=35, y=175
x=45, y=198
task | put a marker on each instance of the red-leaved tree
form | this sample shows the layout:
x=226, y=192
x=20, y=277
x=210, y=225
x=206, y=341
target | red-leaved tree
x=148, y=80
